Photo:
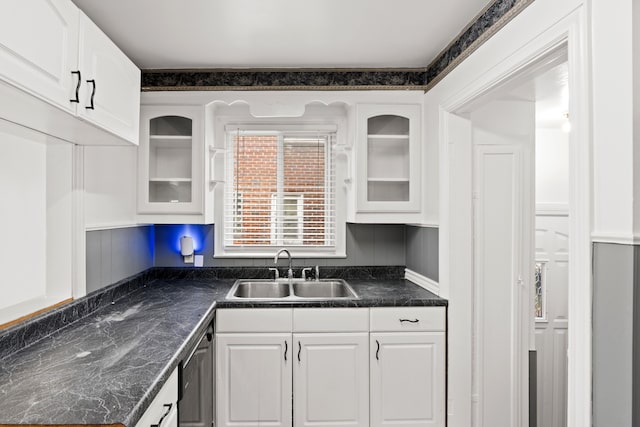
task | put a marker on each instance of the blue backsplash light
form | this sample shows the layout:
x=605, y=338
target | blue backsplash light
x=171, y=234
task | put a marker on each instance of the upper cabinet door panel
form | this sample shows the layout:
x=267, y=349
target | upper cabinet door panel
x=388, y=158
x=38, y=48
x=110, y=95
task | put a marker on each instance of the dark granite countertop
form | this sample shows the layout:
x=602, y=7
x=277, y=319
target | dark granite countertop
x=106, y=367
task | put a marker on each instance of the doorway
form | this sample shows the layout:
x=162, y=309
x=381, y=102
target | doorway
x=493, y=133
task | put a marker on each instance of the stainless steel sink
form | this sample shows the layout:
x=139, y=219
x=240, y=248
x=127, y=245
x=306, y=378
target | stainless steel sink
x=291, y=290
x=329, y=289
x=261, y=290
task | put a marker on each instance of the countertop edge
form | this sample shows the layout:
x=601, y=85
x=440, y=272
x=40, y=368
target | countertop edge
x=181, y=353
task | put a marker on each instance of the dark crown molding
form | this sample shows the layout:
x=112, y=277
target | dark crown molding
x=491, y=19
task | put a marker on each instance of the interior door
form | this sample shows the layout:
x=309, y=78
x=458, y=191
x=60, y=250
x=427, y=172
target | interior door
x=503, y=135
x=552, y=325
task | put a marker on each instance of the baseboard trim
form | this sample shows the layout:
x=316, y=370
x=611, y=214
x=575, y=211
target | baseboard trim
x=422, y=281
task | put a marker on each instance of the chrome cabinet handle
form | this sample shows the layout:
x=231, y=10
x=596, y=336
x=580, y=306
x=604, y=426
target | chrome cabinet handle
x=409, y=320
x=77, y=87
x=377, y=350
x=93, y=93
x=168, y=406
x=286, y=347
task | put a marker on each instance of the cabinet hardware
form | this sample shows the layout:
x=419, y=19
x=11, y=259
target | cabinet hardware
x=409, y=320
x=299, y=350
x=168, y=406
x=93, y=93
x=286, y=346
x=77, y=87
x=377, y=350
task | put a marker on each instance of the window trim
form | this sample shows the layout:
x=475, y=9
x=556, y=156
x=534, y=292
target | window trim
x=330, y=124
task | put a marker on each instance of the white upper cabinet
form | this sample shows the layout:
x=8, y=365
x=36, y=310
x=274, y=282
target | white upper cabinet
x=387, y=160
x=110, y=95
x=57, y=66
x=170, y=163
x=39, y=48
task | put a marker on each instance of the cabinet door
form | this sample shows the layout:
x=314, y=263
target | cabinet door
x=170, y=161
x=331, y=379
x=407, y=379
x=39, y=48
x=253, y=380
x=110, y=91
x=388, y=158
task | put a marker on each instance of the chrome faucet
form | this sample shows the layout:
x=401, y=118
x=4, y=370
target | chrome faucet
x=275, y=261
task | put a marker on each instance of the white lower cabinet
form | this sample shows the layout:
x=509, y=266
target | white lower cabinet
x=407, y=370
x=253, y=367
x=331, y=379
x=317, y=367
x=163, y=409
x=253, y=379
x=331, y=368
x=407, y=379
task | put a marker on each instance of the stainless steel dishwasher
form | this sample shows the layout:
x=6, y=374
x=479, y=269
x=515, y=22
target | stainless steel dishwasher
x=196, y=401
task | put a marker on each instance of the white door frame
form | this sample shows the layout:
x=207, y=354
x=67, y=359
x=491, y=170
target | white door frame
x=456, y=191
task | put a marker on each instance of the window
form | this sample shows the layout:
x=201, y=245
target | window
x=280, y=191
x=540, y=302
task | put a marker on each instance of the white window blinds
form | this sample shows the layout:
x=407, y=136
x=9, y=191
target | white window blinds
x=280, y=189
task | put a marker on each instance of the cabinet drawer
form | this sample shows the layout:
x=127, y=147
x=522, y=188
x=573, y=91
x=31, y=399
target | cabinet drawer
x=159, y=407
x=397, y=319
x=254, y=320
x=330, y=320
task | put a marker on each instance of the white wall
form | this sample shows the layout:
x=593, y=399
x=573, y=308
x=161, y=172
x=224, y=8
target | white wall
x=110, y=180
x=613, y=124
x=23, y=221
x=35, y=221
x=552, y=168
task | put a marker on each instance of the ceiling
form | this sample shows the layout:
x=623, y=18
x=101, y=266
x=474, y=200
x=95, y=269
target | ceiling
x=550, y=91
x=282, y=33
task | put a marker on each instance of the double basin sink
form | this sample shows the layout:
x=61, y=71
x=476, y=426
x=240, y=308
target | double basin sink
x=291, y=289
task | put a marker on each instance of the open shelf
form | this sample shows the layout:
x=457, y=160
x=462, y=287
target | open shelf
x=170, y=159
x=388, y=158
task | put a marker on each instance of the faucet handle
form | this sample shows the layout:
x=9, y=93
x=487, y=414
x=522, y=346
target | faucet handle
x=277, y=273
x=304, y=272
